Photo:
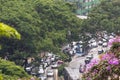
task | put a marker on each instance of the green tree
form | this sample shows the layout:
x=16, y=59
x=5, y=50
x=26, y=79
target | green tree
x=10, y=69
x=42, y=24
x=8, y=32
x=105, y=16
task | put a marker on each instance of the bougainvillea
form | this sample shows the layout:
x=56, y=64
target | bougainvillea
x=114, y=40
x=107, y=66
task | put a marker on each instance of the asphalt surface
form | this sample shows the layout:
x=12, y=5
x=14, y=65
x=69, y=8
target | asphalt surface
x=77, y=60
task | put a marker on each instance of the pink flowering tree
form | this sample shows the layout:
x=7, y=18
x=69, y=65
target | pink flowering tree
x=107, y=67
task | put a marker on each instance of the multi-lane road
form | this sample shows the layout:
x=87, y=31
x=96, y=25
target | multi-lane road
x=77, y=60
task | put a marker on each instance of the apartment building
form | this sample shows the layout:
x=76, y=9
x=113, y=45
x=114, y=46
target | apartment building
x=84, y=6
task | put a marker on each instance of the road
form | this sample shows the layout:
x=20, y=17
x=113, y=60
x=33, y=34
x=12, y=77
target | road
x=77, y=60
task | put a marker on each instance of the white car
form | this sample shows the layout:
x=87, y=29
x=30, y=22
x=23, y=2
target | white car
x=53, y=59
x=50, y=73
x=71, y=52
x=54, y=65
x=111, y=37
x=105, y=44
x=49, y=54
x=42, y=77
x=45, y=64
x=40, y=71
x=94, y=44
x=104, y=40
x=100, y=42
x=28, y=68
x=100, y=51
x=48, y=61
x=80, y=42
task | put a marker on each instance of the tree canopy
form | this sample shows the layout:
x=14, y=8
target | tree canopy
x=105, y=16
x=10, y=71
x=8, y=32
x=43, y=25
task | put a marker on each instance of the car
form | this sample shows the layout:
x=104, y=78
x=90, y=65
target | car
x=50, y=54
x=94, y=44
x=54, y=65
x=50, y=73
x=111, y=37
x=41, y=70
x=48, y=61
x=45, y=64
x=53, y=59
x=33, y=73
x=42, y=77
x=89, y=57
x=87, y=61
x=100, y=51
x=57, y=57
x=80, y=42
x=71, y=52
x=104, y=44
x=66, y=50
x=104, y=40
x=28, y=68
x=100, y=42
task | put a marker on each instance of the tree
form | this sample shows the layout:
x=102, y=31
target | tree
x=105, y=16
x=10, y=69
x=8, y=32
x=42, y=24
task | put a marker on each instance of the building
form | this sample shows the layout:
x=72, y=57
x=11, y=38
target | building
x=84, y=6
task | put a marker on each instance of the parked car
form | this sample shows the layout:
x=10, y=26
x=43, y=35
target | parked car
x=42, y=60
x=94, y=44
x=45, y=64
x=111, y=37
x=53, y=59
x=100, y=51
x=49, y=54
x=87, y=61
x=42, y=77
x=89, y=57
x=104, y=40
x=57, y=57
x=41, y=70
x=71, y=53
x=100, y=42
x=50, y=73
x=48, y=61
x=33, y=73
x=54, y=65
x=28, y=68
x=104, y=44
